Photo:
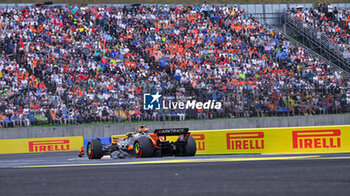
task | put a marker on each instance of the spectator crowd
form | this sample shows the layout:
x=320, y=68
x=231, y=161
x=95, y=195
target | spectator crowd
x=331, y=21
x=93, y=64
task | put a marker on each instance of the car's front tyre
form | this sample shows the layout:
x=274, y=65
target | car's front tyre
x=94, y=149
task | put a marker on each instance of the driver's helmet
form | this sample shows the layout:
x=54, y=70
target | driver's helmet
x=115, y=140
x=143, y=128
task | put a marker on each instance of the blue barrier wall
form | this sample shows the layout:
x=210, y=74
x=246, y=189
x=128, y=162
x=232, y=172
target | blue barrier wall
x=104, y=140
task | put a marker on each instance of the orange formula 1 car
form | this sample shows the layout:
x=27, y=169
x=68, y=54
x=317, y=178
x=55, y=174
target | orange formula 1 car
x=144, y=143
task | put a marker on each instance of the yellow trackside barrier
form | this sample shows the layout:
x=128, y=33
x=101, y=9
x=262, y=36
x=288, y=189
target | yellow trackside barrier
x=323, y=139
x=34, y=145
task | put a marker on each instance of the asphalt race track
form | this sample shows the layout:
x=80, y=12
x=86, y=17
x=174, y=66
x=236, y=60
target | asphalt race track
x=66, y=174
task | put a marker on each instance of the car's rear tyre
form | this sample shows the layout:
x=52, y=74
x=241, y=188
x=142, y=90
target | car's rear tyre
x=94, y=149
x=189, y=149
x=143, y=147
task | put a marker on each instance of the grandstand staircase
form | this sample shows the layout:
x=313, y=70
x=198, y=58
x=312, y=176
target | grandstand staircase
x=320, y=44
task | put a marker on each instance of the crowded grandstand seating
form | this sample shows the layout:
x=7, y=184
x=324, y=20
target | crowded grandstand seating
x=86, y=65
x=332, y=21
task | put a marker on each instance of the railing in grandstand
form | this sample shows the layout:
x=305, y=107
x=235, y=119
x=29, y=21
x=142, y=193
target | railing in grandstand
x=311, y=32
x=319, y=39
x=308, y=50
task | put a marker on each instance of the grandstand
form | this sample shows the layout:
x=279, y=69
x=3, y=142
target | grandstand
x=71, y=65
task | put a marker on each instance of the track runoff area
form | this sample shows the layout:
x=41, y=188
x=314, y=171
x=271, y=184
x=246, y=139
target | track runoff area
x=61, y=173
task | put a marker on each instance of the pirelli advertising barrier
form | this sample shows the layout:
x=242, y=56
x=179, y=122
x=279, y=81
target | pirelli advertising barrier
x=325, y=139
x=33, y=145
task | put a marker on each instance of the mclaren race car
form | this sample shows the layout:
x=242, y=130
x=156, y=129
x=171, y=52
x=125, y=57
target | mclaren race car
x=145, y=143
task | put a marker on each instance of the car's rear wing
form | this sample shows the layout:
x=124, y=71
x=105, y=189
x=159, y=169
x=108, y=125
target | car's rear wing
x=171, y=131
